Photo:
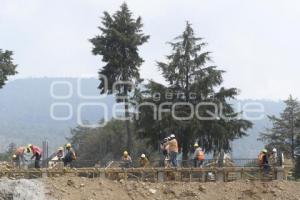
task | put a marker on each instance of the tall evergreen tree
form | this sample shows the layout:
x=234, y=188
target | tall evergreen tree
x=297, y=152
x=7, y=67
x=11, y=148
x=191, y=80
x=284, y=131
x=121, y=35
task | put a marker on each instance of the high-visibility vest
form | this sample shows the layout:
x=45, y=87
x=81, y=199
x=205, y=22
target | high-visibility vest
x=201, y=155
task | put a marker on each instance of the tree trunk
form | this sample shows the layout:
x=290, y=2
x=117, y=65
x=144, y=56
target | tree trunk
x=129, y=136
x=186, y=135
x=293, y=137
x=185, y=146
x=127, y=122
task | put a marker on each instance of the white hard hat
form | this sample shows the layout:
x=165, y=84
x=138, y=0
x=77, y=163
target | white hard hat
x=172, y=136
x=274, y=150
x=143, y=156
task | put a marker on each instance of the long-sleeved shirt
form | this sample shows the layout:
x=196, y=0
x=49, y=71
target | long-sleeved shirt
x=127, y=158
x=60, y=154
x=36, y=150
x=197, y=152
x=173, y=145
x=20, y=151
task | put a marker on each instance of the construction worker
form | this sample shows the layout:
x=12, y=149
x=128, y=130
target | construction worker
x=280, y=158
x=273, y=157
x=126, y=159
x=165, y=152
x=264, y=161
x=20, y=159
x=163, y=145
x=36, y=153
x=144, y=162
x=199, y=156
x=70, y=155
x=60, y=153
x=277, y=158
x=173, y=150
x=14, y=160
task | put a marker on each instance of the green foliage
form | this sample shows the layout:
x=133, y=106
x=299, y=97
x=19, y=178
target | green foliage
x=7, y=67
x=285, y=131
x=121, y=35
x=11, y=149
x=190, y=79
x=105, y=143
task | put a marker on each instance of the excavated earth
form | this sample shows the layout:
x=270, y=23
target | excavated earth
x=77, y=188
x=22, y=189
x=91, y=189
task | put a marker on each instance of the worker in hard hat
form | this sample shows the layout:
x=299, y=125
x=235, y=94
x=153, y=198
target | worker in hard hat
x=144, y=162
x=164, y=147
x=126, y=160
x=20, y=158
x=70, y=155
x=263, y=161
x=273, y=157
x=14, y=160
x=199, y=156
x=60, y=153
x=173, y=150
x=36, y=153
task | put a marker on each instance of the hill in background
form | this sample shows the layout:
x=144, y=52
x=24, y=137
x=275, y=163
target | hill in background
x=26, y=104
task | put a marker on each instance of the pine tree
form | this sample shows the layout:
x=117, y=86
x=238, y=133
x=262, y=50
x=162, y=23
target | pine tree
x=297, y=153
x=11, y=148
x=284, y=131
x=7, y=67
x=191, y=80
x=121, y=35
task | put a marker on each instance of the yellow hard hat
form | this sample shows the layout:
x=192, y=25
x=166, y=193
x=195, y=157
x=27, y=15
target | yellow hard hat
x=14, y=156
x=29, y=146
x=125, y=153
x=196, y=145
x=264, y=151
x=68, y=145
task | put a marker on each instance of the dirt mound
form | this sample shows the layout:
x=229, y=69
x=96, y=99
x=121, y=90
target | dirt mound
x=21, y=189
x=91, y=189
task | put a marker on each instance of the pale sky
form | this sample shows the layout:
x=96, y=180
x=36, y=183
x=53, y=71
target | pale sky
x=256, y=41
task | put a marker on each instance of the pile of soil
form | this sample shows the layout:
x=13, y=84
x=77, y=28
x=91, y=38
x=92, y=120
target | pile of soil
x=22, y=189
x=93, y=189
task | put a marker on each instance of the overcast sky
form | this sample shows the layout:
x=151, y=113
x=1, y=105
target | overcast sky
x=256, y=41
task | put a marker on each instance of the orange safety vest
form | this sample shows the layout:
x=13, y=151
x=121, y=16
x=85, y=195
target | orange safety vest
x=201, y=155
